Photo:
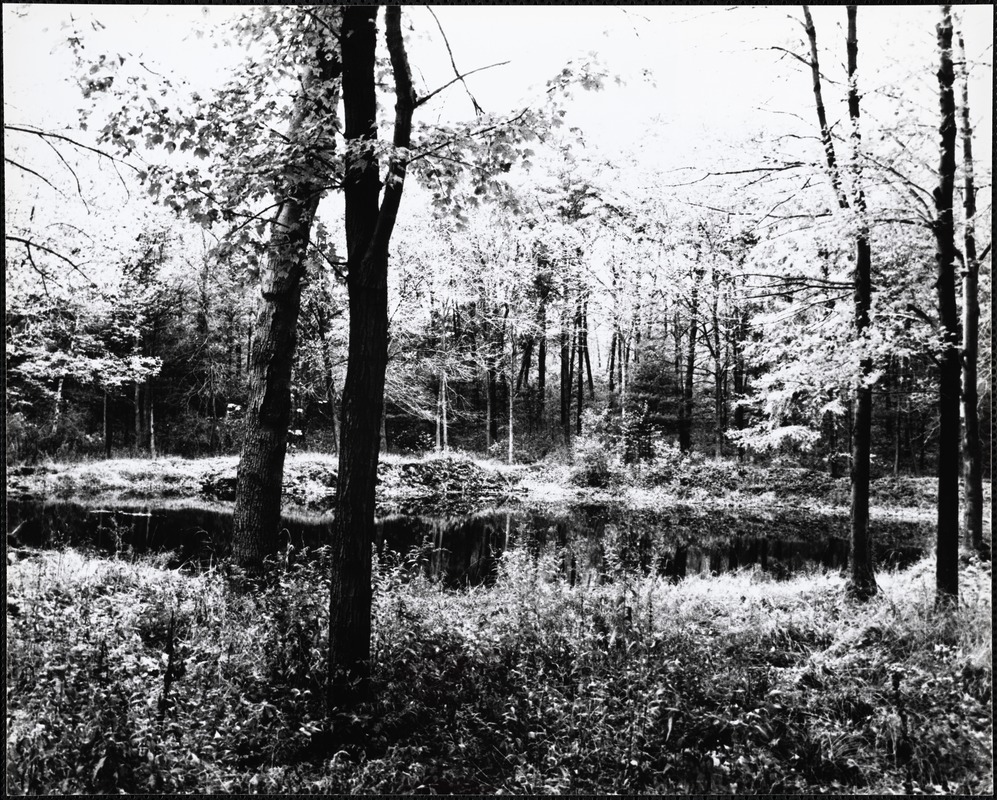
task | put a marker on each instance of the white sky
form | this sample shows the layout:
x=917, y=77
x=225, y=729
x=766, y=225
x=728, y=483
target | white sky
x=712, y=63
x=716, y=78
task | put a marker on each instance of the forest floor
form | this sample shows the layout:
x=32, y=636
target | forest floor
x=124, y=675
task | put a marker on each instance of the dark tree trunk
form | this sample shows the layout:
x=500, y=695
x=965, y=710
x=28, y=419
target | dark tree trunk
x=107, y=427
x=612, y=361
x=565, y=382
x=368, y=234
x=585, y=350
x=973, y=447
x=719, y=371
x=947, y=566
x=862, y=582
x=579, y=348
x=685, y=419
x=138, y=417
x=523, y=378
x=825, y=130
x=268, y=410
x=542, y=362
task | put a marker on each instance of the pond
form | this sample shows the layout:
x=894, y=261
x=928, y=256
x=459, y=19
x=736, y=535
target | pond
x=589, y=542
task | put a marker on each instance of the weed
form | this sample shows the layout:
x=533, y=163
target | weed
x=128, y=677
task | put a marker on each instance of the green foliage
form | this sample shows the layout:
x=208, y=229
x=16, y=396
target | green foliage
x=730, y=684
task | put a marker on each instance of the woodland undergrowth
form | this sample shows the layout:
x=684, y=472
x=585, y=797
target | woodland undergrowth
x=125, y=676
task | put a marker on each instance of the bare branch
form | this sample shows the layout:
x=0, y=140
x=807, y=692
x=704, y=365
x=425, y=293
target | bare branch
x=79, y=187
x=431, y=95
x=451, y=141
x=49, y=135
x=32, y=172
x=477, y=108
x=29, y=244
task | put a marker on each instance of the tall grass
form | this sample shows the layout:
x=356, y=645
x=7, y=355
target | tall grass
x=129, y=677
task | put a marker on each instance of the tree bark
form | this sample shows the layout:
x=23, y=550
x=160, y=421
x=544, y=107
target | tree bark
x=107, y=428
x=825, y=130
x=685, y=419
x=330, y=383
x=261, y=463
x=512, y=392
x=368, y=234
x=947, y=550
x=138, y=416
x=862, y=582
x=444, y=422
x=585, y=349
x=150, y=404
x=579, y=347
x=542, y=360
x=612, y=362
x=565, y=382
x=740, y=385
x=523, y=377
x=973, y=447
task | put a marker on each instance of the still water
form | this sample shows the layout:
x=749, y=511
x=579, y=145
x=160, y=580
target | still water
x=588, y=542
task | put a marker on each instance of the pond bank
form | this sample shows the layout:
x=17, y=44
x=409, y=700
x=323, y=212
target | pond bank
x=459, y=484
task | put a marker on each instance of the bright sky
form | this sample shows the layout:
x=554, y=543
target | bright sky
x=716, y=76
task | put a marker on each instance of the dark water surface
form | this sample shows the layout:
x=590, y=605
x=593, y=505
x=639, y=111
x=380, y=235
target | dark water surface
x=587, y=542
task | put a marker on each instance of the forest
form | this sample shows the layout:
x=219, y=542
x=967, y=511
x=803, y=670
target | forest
x=487, y=400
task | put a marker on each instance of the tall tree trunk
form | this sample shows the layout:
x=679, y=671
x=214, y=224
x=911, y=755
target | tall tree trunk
x=261, y=463
x=512, y=393
x=973, y=447
x=737, y=356
x=898, y=414
x=542, y=361
x=825, y=130
x=491, y=379
x=862, y=582
x=947, y=565
x=585, y=349
x=579, y=340
x=489, y=407
x=107, y=427
x=685, y=419
x=138, y=416
x=150, y=405
x=523, y=377
x=445, y=432
x=330, y=383
x=612, y=362
x=565, y=381
x=368, y=234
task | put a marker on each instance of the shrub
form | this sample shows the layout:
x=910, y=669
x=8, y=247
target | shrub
x=591, y=467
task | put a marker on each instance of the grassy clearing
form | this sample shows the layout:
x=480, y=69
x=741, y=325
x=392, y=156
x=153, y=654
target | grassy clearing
x=736, y=683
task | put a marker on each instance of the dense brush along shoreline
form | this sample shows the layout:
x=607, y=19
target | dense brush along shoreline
x=126, y=676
